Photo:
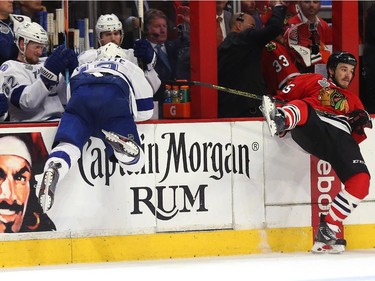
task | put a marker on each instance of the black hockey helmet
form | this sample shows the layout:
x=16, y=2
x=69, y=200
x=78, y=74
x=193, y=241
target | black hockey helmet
x=344, y=57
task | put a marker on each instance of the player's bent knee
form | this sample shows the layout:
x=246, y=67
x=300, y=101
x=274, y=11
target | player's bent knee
x=358, y=185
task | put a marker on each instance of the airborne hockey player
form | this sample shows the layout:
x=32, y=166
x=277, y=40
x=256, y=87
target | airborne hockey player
x=108, y=96
x=327, y=121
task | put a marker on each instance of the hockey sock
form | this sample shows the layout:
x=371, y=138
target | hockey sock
x=65, y=153
x=358, y=185
x=356, y=188
x=63, y=170
x=296, y=113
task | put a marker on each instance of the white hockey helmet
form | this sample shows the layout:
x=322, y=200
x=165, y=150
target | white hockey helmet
x=110, y=50
x=31, y=31
x=108, y=22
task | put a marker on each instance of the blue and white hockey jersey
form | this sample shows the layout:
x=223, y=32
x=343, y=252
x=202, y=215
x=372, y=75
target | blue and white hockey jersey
x=141, y=92
x=29, y=99
x=150, y=73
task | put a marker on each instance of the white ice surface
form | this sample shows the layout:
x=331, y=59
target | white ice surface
x=352, y=265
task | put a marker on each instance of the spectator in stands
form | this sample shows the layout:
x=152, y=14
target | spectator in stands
x=314, y=34
x=239, y=62
x=368, y=96
x=35, y=87
x=249, y=7
x=22, y=157
x=167, y=7
x=132, y=23
x=223, y=19
x=308, y=13
x=265, y=10
x=8, y=24
x=168, y=64
x=109, y=29
x=29, y=8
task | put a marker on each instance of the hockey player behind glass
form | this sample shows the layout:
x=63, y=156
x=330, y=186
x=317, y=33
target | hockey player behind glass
x=34, y=85
x=108, y=29
x=327, y=121
x=108, y=96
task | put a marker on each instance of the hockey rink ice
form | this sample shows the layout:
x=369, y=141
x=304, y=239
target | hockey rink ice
x=352, y=265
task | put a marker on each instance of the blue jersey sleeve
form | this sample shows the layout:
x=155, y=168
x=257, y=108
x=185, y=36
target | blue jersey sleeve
x=9, y=50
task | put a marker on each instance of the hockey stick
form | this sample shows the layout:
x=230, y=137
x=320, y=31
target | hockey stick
x=66, y=22
x=140, y=16
x=65, y=5
x=140, y=29
x=212, y=86
x=220, y=88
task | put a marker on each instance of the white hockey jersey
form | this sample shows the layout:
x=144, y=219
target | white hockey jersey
x=150, y=73
x=29, y=99
x=141, y=92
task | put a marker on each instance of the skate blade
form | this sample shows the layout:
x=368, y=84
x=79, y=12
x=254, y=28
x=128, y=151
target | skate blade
x=46, y=202
x=129, y=147
x=272, y=127
x=322, y=248
x=108, y=134
x=45, y=198
x=267, y=104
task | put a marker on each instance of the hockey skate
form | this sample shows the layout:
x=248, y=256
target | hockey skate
x=122, y=144
x=326, y=240
x=274, y=118
x=48, y=187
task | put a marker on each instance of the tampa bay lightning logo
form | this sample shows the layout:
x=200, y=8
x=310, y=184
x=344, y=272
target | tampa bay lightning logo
x=18, y=18
x=4, y=67
x=4, y=28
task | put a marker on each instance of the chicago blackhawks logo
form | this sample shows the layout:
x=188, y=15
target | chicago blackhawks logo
x=333, y=98
x=4, y=29
x=271, y=46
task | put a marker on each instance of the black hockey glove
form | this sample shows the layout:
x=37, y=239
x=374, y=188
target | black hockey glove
x=358, y=120
x=144, y=51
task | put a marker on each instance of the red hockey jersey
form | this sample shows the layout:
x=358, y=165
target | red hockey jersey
x=277, y=67
x=323, y=95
